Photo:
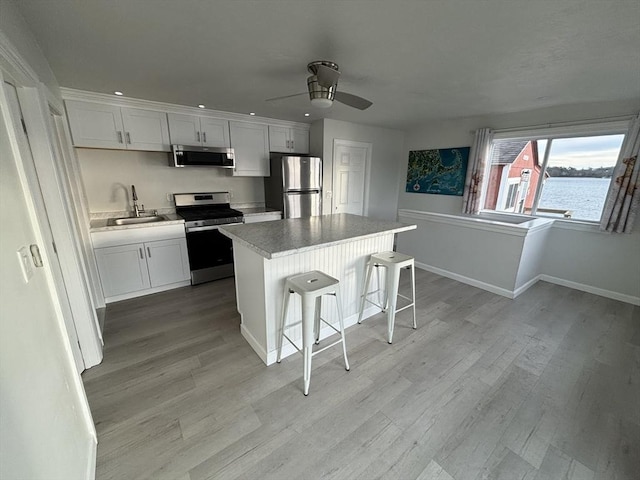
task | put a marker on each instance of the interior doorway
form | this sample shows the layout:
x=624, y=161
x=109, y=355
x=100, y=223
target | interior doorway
x=351, y=165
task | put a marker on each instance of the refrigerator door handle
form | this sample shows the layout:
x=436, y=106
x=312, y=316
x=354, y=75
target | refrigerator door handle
x=301, y=192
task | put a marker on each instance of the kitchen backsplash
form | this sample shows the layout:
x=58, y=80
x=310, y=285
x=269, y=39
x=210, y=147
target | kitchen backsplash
x=108, y=175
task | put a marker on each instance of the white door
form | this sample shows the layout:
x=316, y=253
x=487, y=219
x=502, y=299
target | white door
x=184, y=129
x=56, y=269
x=168, y=261
x=215, y=132
x=95, y=125
x=350, y=176
x=145, y=130
x=122, y=269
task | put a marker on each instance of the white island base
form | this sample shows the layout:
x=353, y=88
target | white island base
x=260, y=284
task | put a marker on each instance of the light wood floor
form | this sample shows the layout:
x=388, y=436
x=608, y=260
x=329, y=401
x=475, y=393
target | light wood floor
x=546, y=386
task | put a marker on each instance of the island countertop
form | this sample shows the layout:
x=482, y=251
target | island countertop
x=296, y=235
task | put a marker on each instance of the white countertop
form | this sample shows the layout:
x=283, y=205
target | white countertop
x=295, y=235
x=100, y=225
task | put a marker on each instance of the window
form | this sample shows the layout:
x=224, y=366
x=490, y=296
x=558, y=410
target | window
x=566, y=175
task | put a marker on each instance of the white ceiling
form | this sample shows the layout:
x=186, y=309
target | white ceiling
x=415, y=60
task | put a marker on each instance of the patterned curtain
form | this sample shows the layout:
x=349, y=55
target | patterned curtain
x=475, y=171
x=623, y=199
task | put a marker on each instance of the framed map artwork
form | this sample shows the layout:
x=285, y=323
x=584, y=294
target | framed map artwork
x=440, y=171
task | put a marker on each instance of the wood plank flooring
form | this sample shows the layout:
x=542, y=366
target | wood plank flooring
x=543, y=387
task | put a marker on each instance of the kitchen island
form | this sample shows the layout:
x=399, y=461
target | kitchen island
x=267, y=253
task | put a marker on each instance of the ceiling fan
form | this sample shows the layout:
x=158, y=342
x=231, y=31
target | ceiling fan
x=323, y=85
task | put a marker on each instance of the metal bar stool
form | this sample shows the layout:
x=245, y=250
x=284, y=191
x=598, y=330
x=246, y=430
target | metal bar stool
x=393, y=262
x=311, y=287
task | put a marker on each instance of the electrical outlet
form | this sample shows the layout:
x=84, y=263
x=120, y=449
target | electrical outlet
x=230, y=193
x=24, y=257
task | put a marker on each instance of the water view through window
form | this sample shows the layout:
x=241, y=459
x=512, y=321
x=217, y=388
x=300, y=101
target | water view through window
x=580, y=171
x=558, y=177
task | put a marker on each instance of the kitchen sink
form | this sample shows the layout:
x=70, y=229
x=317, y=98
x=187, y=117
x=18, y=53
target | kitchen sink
x=136, y=220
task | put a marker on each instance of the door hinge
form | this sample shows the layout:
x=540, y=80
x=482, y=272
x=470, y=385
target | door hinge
x=24, y=126
x=55, y=249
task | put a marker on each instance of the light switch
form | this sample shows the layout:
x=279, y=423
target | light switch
x=24, y=257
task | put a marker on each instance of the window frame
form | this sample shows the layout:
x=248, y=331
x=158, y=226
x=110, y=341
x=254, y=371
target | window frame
x=550, y=132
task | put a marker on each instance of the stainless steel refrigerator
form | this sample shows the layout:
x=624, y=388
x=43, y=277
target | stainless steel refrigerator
x=295, y=185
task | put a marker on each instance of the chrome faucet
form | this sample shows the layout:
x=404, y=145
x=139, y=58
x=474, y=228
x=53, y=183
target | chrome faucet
x=136, y=210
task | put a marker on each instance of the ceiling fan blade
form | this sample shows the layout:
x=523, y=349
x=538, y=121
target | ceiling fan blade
x=327, y=77
x=353, y=100
x=286, y=96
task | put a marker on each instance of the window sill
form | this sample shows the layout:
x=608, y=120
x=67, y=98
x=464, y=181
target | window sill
x=566, y=224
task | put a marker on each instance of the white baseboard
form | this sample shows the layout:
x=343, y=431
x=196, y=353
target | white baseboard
x=526, y=286
x=91, y=461
x=518, y=291
x=469, y=281
x=149, y=291
x=590, y=289
x=261, y=352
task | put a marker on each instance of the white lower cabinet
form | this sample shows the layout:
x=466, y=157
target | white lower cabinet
x=167, y=261
x=122, y=269
x=130, y=269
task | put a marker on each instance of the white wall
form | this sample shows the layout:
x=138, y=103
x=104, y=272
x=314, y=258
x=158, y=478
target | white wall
x=17, y=31
x=601, y=260
x=386, y=162
x=108, y=175
x=592, y=259
x=42, y=430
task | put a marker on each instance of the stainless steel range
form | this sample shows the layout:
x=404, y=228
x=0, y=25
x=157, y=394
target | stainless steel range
x=210, y=252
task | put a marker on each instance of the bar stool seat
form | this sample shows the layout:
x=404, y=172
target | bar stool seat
x=393, y=262
x=311, y=286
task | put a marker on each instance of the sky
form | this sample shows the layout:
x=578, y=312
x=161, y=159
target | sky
x=584, y=152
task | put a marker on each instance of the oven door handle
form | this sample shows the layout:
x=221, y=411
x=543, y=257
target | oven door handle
x=210, y=227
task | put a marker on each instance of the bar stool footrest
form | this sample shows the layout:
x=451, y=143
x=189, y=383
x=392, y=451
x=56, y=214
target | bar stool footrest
x=328, y=346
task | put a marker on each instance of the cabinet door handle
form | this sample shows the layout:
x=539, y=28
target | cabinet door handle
x=149, y=251
x=204, y=137
x=198, y=136
x=119, y=133
x=292, y=147
x=128, y=138
x=141, y=254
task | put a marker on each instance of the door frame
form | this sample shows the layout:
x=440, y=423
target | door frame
x=13, y=68
x=337, y=142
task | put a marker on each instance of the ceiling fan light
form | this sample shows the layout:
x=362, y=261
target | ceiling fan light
x=321, y=102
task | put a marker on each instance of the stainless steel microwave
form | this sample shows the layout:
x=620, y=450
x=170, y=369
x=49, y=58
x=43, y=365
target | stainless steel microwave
x=189, y=156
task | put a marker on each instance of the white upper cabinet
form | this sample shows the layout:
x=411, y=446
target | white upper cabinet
x=145, y=129
x=202, y=131
x=97, y=125
x=215, y=132
x=251, y=146
x=299, y=140
x=288, y=140
x=184, y=129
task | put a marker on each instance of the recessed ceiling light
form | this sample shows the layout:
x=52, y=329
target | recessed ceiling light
x=306, y=114
x=201, y=106
x=252, y=113
x=118, y=93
